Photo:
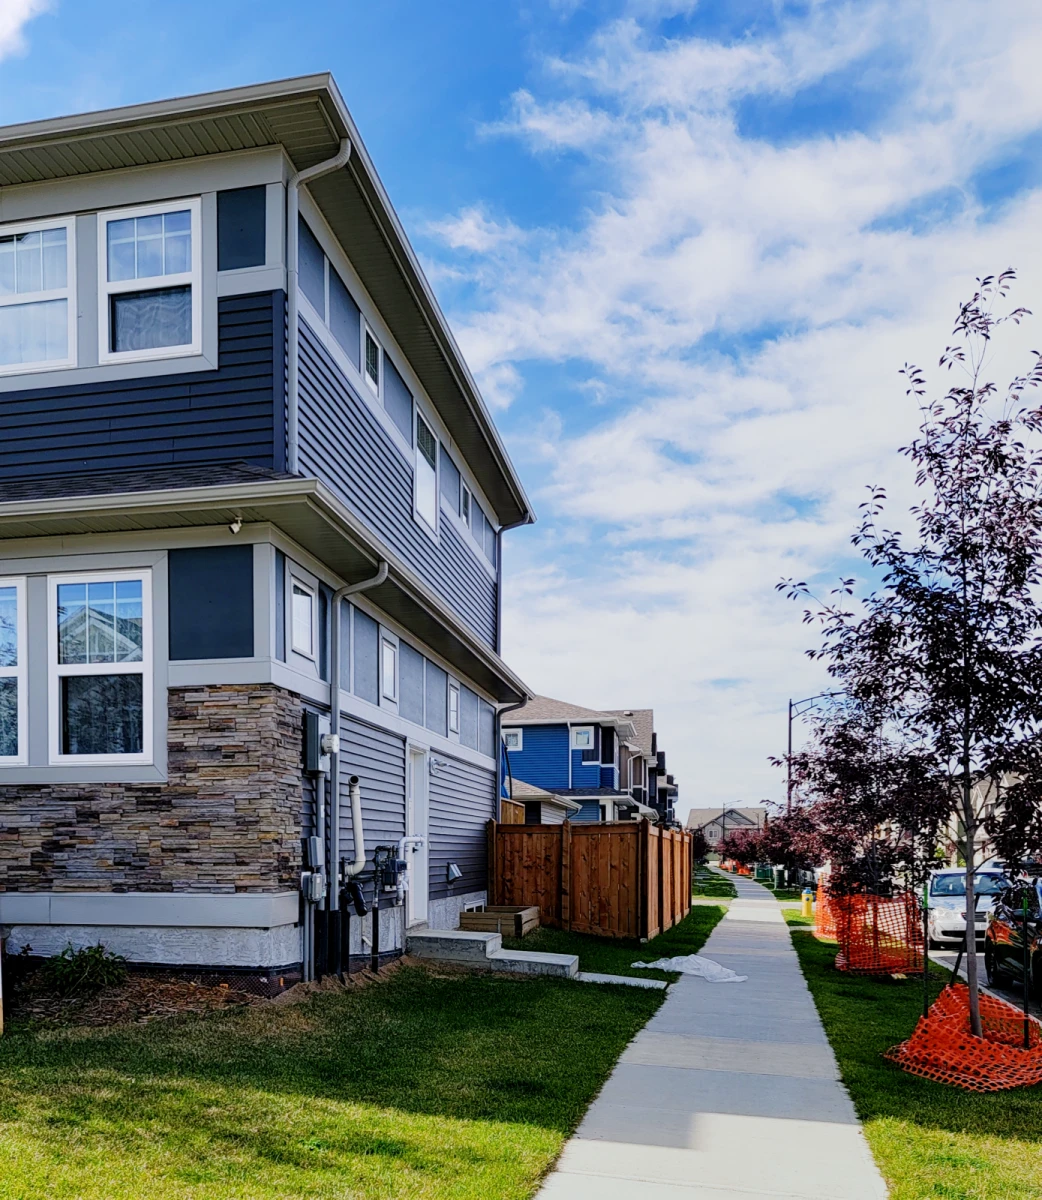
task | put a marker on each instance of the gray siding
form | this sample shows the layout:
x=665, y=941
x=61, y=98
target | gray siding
x=378, y=759
x=343, y=444
x=227, y=415
x=462, y=802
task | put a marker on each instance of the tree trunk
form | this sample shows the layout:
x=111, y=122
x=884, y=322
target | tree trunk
x=970, y=824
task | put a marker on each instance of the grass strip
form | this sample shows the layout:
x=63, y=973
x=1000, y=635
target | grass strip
x=419, y=1087
x=929, y=1140
x=612, y=956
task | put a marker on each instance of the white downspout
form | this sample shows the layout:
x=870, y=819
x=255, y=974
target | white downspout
x=293, y=300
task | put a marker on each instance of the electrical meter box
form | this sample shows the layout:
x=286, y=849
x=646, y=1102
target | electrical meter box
x=317, y=743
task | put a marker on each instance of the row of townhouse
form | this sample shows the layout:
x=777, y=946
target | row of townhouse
x=251, y=513
x=564, y=762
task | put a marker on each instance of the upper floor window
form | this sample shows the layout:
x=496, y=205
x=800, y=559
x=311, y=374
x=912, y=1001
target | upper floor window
x=37, y=308
x=302, y=614
x=12, y=671
x=582, y=737
x=426, y=496
x=100, y=667
x=149, y=285
x=513, y=739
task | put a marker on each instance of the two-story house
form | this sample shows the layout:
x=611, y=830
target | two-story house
x=717, y=823
x=566, y=762
x=251, y=507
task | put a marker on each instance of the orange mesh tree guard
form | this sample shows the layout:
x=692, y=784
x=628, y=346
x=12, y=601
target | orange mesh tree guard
x=878, y=935
x=943, y=1049
x=824, y=917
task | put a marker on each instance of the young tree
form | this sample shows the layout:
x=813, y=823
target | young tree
x=699, y=845
x=742, y=847
x=946, y=651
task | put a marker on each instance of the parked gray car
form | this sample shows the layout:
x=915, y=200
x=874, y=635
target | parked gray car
x=948, y=903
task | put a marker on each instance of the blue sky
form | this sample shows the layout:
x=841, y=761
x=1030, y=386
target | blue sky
x=686, y=248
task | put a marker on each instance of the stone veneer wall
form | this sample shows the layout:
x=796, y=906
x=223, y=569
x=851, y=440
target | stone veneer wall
x=227, y=820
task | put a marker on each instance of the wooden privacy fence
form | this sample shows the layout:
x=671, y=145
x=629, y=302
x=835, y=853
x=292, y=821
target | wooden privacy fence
x=625, y=880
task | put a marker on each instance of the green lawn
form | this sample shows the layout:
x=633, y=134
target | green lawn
x=451, y=1087
x=713, y=885
x=930, y=1141
x=616, y=957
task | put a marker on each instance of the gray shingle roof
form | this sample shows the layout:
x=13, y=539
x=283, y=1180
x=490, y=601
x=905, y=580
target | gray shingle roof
x=155, y=479
x=697, y=818
x=643, y=720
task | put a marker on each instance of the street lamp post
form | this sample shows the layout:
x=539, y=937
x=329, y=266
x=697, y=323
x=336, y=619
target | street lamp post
x=797, y=709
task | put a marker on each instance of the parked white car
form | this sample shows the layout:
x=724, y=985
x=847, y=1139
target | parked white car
x=948, y=903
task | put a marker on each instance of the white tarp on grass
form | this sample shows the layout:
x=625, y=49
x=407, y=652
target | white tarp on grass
x=695, y=964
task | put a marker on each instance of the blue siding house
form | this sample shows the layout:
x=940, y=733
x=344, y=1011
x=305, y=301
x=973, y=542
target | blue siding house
x=565, y=762
x=251, y=512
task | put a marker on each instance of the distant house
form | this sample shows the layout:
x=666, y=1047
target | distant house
x=716, y=823
x=604, y=761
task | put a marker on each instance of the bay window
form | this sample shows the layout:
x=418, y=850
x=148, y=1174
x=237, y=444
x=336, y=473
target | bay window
x=12, y=672
x=149, y=297
x=100, y=667
x=37, y=296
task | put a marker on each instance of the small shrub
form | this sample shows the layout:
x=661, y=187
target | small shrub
x=83, y=972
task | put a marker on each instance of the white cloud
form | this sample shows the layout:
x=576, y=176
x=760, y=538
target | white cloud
x=14, y=16
x=746, y=312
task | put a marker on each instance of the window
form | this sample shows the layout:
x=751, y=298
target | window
x=582, y=737
x=426, y=494
x=451, y=484
x=302, y=619
x=100, y=667
x=465, y=506
x=149, y=290
x=372, y=362
x=389, y=670
x=454, y=707
x=327, y=293
x=512, y=739
x=12, y=672
x=37, y=293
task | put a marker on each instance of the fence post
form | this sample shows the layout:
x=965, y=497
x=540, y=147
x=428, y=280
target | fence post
x=643, y=916
x=493, y=882
x=565, y=897
x=661, y=884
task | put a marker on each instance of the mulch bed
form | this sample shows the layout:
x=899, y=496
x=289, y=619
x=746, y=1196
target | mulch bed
x=141, y=999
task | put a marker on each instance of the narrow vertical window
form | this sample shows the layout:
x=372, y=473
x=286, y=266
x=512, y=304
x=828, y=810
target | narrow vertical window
x=150, y=278
x=372, y=362
x=426, y=473
x=302, y=615
x=454, y=707
x=12, y=672
x=37, y=312
x=389, y=670
x=101, y=668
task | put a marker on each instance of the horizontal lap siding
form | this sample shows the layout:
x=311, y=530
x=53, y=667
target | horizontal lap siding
x=378, y=759
x=227, y=415
x=344, y=444
x=462, y=802
x=543, y=759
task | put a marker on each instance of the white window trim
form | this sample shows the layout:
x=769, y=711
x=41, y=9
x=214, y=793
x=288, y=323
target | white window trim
x=143, y=668
x=310, y=653
x=453, y=717
x=387, y=643
x=194, y=278
x=67, y=293
x=376, y=388
x=576, y=731
x=514, y=733
x=433, y=531
x=20, y=672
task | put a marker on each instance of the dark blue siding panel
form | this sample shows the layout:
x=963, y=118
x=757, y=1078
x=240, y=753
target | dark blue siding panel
x=543, y=762
x=211, y=602
x=343, y=444
x=608, y=777
x=585, y=774
x=462, y=802
x=233, y=414
x=590, y=811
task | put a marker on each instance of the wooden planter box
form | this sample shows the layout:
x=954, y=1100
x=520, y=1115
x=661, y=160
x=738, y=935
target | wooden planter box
x=508, y=919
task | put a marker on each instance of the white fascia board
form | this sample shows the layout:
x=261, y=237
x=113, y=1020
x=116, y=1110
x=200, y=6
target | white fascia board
x=243, y=910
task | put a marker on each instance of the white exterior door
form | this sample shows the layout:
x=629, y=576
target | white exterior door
x=416, y=826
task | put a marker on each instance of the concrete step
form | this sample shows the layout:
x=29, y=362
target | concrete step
x=453, y=945
x=532, y=962
x=657, y=985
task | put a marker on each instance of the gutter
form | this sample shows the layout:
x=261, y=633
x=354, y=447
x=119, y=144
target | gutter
x=293, y=295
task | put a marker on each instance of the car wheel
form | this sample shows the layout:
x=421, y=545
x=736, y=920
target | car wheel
x=996, y=978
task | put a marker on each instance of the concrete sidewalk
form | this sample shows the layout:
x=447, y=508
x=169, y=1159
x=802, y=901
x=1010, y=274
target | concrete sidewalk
x=730, y=1092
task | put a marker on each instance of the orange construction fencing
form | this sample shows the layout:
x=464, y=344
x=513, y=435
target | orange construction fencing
x=824, y=915
x=943, y=1049
x=878, y=935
